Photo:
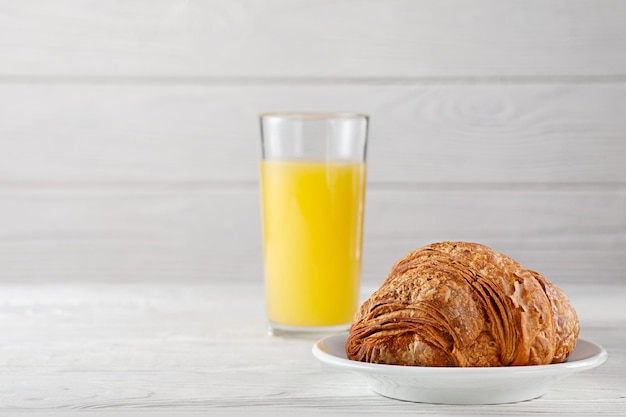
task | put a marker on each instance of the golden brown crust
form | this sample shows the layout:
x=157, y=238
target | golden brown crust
x=463, y=304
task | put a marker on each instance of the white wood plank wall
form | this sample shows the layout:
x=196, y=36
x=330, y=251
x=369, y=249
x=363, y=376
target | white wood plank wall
x=129, y=140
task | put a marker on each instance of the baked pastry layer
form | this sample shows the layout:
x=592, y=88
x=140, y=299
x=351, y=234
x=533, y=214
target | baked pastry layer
x=463, y=304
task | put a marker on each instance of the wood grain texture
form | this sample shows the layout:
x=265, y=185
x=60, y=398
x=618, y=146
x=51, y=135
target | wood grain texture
x=154, y=349
x=458, y=133
x=200, y=234
x=129, y=140
x=282, y=38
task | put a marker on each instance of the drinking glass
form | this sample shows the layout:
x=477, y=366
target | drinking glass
x=312, y=191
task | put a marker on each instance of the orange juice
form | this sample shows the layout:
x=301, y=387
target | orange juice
x=312, y=230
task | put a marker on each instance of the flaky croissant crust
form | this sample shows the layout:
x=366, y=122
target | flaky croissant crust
x=463, y=304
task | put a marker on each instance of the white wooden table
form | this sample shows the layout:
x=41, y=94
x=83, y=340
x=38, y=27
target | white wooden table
x=190, y=349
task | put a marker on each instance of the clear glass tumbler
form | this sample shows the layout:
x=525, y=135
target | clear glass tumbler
x=313, y=191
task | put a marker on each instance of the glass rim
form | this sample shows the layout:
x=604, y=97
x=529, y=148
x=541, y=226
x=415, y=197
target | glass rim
x=313, y=115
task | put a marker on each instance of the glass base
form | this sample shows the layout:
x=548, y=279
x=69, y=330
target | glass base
x=305, y=332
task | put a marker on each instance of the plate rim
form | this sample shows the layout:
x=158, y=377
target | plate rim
x=596, y=358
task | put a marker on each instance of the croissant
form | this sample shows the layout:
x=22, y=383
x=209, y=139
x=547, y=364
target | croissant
x=463, y=304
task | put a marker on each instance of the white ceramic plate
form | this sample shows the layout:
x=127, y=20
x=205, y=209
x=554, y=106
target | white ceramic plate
x=460, y=385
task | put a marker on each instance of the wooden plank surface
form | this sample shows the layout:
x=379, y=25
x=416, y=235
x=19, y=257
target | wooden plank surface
x=200, y=233
x=129, y=140
x=283, y=38
x=155, y=349
x=420, y=133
